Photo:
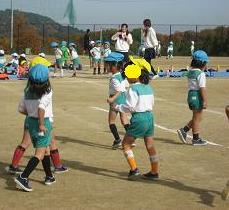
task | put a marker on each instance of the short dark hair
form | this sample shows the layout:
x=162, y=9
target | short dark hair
x=88, y=30
x=144, y=78
x=198, y=64
x=147, y=22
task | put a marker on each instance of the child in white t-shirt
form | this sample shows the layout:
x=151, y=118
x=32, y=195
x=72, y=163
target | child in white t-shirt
x=96, y=56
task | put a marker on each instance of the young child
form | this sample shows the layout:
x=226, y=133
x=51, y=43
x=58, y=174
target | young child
x=197, y=98
x=139, y=102
x=158, y=49
x=91, y=46
x=105, y=53
x=170, y=50
x=96, y=56
x=65, y=53
x=22, y=69
x=74, y=58
x=192, y=48
x=117, y=89
x=40, y=59
x=37, y=105
x=58, y=57
x=2, y=58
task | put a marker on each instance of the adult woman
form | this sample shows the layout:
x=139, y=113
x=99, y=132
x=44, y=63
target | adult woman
x=150, y=42
x=123, y=41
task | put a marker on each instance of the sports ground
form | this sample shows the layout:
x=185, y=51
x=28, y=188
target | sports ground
x=190, y=177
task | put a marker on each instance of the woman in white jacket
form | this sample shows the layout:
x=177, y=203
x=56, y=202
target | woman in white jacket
x=150, y=42
x=123, y=41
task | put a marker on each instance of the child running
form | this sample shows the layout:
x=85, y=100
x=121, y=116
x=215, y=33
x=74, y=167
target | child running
x=37, y=105
x=139, y=102
x=197, y=98
x=106, y=52
x=74, y=58
x=96, y=56
x=58, y=56
x=170, y=50
x=117, y=89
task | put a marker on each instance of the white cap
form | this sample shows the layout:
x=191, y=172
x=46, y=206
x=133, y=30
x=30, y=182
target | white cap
x=192, y=42
x=2, y=52
x=23, y=55
x=92, y=42
x=42, y=55
x=14, y=55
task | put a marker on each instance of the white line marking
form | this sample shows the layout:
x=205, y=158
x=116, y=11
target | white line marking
x=161, y=127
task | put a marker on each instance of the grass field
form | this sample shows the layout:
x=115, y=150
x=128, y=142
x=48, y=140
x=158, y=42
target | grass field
x=190, y=177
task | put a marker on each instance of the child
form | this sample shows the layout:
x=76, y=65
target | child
x=139, y=102
x=58, y=57
x=22, y=69
x=2, y=58
x=91, y=46
x=74, y=58
x=40, y=59
x=170, y=50
x=96, y=56
x=158, y=49
x=192, y=47
x=106, y=52
x=197, y=99
x=37, y=105
x=65, y=53
x=117, y=89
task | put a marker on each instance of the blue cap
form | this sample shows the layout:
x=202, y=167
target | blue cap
x=72, y=44
x=98, y=42
x=54, y=44
x=63, y=43
x=114, y=57
x=39, y=73
x=108, y=43
x=200, y=55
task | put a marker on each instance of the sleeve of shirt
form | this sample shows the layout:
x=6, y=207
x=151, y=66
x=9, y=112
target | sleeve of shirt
x=202, y=80
x=130, y=39
x=153, y=37
x=45, y=101
x=114, y=37
x=21, y=106
x=131, y=102
x=116, y=84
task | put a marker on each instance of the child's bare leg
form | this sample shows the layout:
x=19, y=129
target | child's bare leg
x=124, y=120
x=111, y=120
x=196, y=119
x=94, y=66
x=99, y=67
x=149, y=143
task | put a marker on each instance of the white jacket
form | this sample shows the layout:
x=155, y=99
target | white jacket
x=122, y=45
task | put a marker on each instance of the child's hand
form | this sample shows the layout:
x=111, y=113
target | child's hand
x=42, y=129
x=110, y=100
x=205, y=105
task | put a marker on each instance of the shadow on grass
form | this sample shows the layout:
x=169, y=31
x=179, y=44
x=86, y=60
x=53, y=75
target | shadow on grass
x=64, y=139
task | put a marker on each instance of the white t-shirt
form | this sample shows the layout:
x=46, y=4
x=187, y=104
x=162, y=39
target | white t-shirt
x=96, y=52
x=150, y=40
x=30, y=106
x=170, y=48
x=194, y=84
x=58, y=53
x=122, y=45
x=74, y=54
x=2, y=60
x=106, y=52
x=117, y=84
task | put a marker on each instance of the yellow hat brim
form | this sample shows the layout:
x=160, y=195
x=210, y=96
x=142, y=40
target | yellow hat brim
x=142, y=63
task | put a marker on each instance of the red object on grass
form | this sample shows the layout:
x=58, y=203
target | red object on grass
x=4, y=77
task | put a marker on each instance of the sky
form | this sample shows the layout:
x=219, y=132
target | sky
x=210, y=12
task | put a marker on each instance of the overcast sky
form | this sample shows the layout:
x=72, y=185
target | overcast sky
x=131, y=11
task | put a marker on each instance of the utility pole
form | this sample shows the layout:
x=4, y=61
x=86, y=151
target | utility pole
x=12, y=26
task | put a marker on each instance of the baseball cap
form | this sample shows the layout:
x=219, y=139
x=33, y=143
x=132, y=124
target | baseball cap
x=200, y=55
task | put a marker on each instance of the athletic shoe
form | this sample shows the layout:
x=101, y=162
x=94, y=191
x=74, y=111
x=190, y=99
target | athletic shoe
x=60, y=170
x=133, y=145
x=117, y=144
x=225, y=193
x=199, y=142
x=134, y=175
x=49, y=180
x=150, y=176
x=182, y=135
x=12, y=170
x=23, y=183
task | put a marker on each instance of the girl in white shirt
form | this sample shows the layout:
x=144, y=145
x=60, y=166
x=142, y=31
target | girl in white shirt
x=123, y=40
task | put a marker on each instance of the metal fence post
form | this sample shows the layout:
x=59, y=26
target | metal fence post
x=170, y=32
x=196, y=33
x=43, y=38
x=18, y=37
x=68, y=33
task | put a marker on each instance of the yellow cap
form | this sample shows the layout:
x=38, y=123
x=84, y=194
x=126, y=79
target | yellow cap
x=132, y=71
x=142, y=63
x=40, y=60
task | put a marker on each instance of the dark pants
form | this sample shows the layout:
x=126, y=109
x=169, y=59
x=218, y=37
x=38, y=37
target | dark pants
x=150, y=54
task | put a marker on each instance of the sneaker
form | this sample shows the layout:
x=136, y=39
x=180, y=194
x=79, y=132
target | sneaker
x=60, y=170
x=12, y=170
x=117, y=144
x=134, y=175
x=150, y=176
x=199, y=142
x=225, y=193
x=182, y=135
x=133, y=145
x=49, y=180
x=23, y=183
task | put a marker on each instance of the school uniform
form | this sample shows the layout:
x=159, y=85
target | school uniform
x=118, y=84
x=139, y=102
x=58, y=56
x=196, y=80
x=75, y=57
x=96, y=54
x=30, y=105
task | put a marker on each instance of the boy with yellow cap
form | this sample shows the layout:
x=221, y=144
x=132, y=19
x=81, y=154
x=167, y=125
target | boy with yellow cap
x=139, y=102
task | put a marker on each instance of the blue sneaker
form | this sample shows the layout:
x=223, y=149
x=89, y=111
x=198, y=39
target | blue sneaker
x=49, y=180
x=23, y=183
x=199, y=142
x=60, y=170
x=151, y=176
x=134, y=175
x=182, y=135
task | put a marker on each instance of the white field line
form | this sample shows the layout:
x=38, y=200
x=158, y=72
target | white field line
x=162, y=128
